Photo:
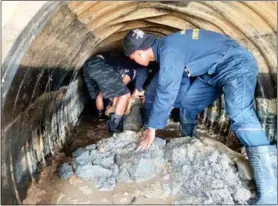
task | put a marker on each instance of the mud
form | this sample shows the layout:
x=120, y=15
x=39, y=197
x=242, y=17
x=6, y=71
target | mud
x=192, y=172
x=107, y=170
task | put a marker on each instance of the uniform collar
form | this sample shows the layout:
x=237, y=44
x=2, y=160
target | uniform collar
x=155, y=48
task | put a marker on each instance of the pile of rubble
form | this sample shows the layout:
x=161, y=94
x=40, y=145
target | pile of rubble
x=191, y=172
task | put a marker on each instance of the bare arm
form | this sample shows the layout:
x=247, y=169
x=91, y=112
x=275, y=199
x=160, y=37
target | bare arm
x=126, y=79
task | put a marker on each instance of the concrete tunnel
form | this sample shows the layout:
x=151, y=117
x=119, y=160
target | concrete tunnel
x=44, y=45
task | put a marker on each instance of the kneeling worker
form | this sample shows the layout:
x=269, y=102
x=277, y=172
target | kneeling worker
x=106, y=76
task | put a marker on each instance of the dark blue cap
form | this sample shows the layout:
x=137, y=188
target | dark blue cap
x=137, y=39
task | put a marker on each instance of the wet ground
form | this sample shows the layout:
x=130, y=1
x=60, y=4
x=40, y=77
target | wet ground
x=89, y=130
x=51, y=189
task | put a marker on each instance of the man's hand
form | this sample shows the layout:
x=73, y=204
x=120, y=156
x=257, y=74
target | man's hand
x=136, y=93
x=146, y=140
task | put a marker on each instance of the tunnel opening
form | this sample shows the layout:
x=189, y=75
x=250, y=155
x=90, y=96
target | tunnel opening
x=43, y=91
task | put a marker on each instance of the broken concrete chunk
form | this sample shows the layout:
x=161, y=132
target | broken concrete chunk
x=145, y=170
x=179, y=156
x=124, y=176
x=100, y=181
x=128, y=148
x=105, y=162
x=91, y=147
x=115, y=170
x=194, y=173
x=66, y=171
x=90, y=171
x=133, y=121
x=176, y=187
x=213, y=157
x=83, y=158
x=241, y=194
x=157, y=154
x=191, y=151
x=78, y=152
x=117, y=141
x=159, y=142
x=105, y=184
x=177, y=142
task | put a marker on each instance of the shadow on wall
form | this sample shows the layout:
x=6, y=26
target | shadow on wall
x=30, y=83
x=41, y=109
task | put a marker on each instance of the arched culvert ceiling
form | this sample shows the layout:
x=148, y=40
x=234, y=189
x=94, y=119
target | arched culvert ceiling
x=42, y=88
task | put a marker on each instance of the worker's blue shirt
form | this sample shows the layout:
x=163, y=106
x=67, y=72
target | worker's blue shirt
x=186, y=53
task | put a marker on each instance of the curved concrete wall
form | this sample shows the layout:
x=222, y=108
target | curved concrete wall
x=44, y=48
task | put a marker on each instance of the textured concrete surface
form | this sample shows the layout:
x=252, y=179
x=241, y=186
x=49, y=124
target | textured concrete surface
x=192, y=172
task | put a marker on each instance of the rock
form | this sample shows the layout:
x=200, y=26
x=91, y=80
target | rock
x=115, y=170
x=97, y=154
x=176, y=186
x=124, y=176
x=105, y=184
x=177, y=142
x=213, y=157
x=204, y=176
x=78, y=152
x=159, y=142
x=191, y=151
x=192, y=170
x=133, y=121
x=91, y=147
x=179, y=156
x=117, y=142
x=66, y=170
x=83, y=158
x=241, y=194
x=90, y=171
x=105, y=162
x=145, y=170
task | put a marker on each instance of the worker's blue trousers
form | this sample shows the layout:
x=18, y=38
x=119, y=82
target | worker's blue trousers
x=238, y=90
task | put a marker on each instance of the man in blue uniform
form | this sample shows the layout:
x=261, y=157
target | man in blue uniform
x=218, y=64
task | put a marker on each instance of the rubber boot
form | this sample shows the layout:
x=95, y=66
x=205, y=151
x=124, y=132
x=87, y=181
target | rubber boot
x=263, y=160
x=115, y=123
x=100, y=115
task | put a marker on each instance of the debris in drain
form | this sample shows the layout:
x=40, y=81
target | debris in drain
x=192, y=172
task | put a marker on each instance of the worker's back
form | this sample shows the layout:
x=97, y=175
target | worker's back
x=201, y=50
